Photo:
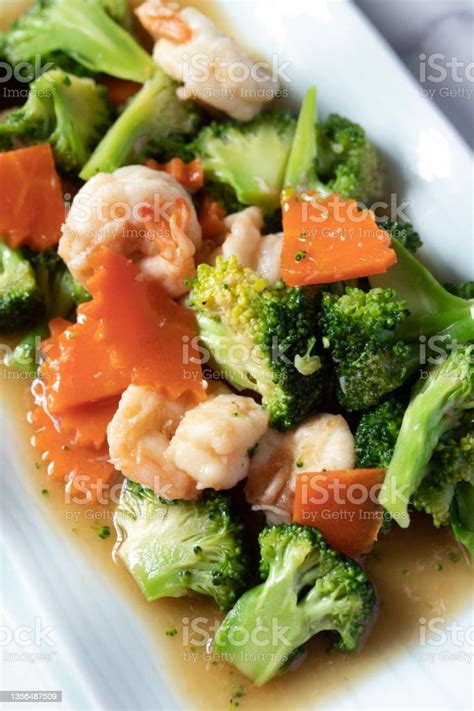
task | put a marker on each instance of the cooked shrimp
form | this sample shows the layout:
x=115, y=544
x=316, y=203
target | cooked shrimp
x=190, y=48
x=212, y=440
x=142, y=213
x=322, y=442
x=244, y=240
x=139, y=435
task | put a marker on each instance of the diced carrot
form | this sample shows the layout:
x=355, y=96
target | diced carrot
x=328, y=240
x=85, y=468
x=119, y=90
x=343, y=505
x=211, y=218
x=79, y=367
x=190, y=175
x=131, y=332
x=149, y=335
x=87, y=425
x=32, y=207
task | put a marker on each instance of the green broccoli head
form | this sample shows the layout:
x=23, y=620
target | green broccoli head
x=462, y=516
x=357, y=329
x=69, y=112
x=404, y=233
x=438, y=401
x=261, y=338
x=377, y=433
x=308, y=588
x=346, y=162
x=21, y=301
x=249, y=157
x=82, y=30
x=154, y=123
x=452, y=462
x=60, y=294
x=175, y=548
x=465, y=289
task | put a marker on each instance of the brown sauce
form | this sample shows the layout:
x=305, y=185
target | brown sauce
x=418, y=572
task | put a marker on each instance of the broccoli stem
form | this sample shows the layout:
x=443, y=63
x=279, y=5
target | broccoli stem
x=118, y=142
x=433, y=310
x=303, y=150
x=448, y=387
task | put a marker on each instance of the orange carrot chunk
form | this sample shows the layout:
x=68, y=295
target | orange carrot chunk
x=131, y=332
x=190, y=175
x=343, y=505
x=85, y=468
x=149, y=335
x=32, y=206
x=211, y=218
x=328, y=240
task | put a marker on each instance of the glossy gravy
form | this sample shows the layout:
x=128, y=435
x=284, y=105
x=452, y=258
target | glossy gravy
x=419, y=572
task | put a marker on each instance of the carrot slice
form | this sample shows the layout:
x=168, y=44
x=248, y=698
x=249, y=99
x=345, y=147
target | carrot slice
x=190, y=175
x=131, y=332
x=328, y=240
x=119, y=90
x=85, y=468
x=211, y=218
x=343, y=505
x=32, y=207
x=149, y=335
x=79, y=367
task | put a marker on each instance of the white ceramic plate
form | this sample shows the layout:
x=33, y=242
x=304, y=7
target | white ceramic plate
x=103, y=656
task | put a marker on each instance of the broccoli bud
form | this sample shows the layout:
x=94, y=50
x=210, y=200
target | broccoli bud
x=83, y=30
x=308, y=588
x=175, y=548
x=261, y=338
x=69, y=112
x=21, y=301
x=249, y=157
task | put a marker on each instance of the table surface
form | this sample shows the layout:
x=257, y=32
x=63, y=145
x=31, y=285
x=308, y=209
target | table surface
x=434, y=38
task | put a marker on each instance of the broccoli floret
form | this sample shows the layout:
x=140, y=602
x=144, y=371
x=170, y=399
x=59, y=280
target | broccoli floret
x=69, y=112
x=21, y=301
x=358, y=329
x=404, y=233
x=153, y=123
x=465, y=290
x=346, y=162
x=250, y=157
x=433, y=310
x=81, y=29
x=334, y=157
x=452, y=462
x=261, y=338
x=174, y=548
x=308, y=588
x=60, y=294
x=377, y=433
x=462, y=516
x=437, y=401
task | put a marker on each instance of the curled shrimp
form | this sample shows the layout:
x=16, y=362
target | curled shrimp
x=142, y=213
x=162, y=19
